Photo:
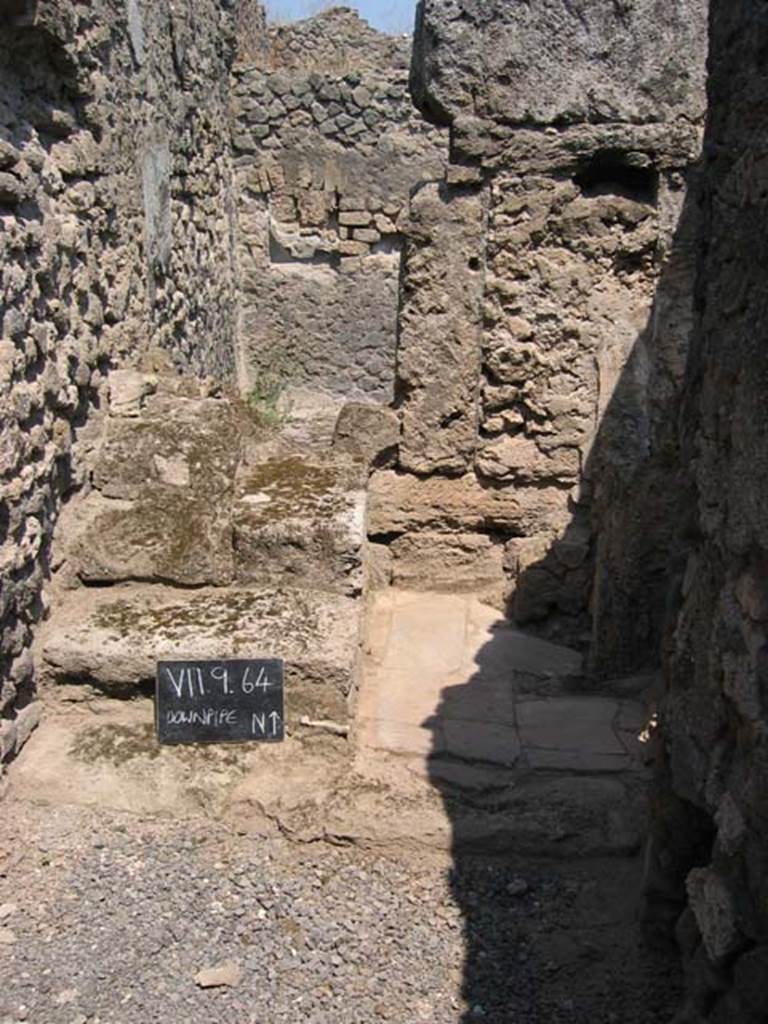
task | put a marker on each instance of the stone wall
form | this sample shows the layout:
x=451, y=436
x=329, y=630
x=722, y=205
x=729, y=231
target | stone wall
x=547, y=307
x=328, y=149
x=115, y=235
x=711, y=827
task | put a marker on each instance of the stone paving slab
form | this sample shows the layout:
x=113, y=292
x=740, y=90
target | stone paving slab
x=427, y=634
x=440, y=676
x=441, y=680
x=575, y=733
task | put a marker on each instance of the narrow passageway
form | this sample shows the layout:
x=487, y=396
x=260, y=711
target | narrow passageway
x=531, y=767
x=423, y=370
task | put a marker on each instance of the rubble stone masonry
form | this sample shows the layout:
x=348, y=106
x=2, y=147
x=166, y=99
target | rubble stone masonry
x=711, y=823
x=328, y=147
x=546, y=312
x=115, y=246
x=558, y=281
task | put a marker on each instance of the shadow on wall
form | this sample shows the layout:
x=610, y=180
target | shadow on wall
x=634, y=497
x=545, y=940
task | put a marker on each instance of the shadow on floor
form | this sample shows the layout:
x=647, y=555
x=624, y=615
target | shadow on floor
x=544, y=787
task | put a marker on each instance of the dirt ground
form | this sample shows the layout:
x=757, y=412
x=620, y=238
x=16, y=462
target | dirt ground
x=109, y=918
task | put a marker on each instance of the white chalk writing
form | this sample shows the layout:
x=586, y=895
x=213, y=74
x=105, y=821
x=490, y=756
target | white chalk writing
x=203, y=716
x=189, y=678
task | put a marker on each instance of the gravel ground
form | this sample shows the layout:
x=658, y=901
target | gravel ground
x=108, y=919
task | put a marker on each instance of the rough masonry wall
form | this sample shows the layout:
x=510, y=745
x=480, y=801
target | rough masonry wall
x=328, y=149
x=559, y=307
x=712, y=822
x=115, y=247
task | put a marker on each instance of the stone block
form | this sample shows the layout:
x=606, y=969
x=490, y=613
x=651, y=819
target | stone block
x=205, y=433
x=439, y=353
x=568, y=63
x=385, y=225
x=450, y=562
x=348, y=247
x=168, y=535
x=9, y=155
x=8, y=738
x=572, y=734
x=518, y=458
x=361, y=96
x=299, y=521
x=715, y=910
x=77, y=156
x=355, y=218
x=456, y=174
x=351, y=264
x=378, y=566
x=27, y=720
x=8, y=692
x=114, y=639
x=12, y=190
x=127, y=391
x=367, y=432
x=399, y=503
x=368, y=235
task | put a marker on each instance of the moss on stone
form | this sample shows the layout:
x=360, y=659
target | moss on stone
x=294, y=488
x=221, y=613
x=118, y=744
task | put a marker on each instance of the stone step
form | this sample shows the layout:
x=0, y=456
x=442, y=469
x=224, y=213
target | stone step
x=187, y=493
x=300, y=518
x=103, y=753
x=113, y=637
x=467, y=737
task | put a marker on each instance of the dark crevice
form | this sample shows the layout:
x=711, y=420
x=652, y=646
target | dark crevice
x=610, y=172
x=384, y=538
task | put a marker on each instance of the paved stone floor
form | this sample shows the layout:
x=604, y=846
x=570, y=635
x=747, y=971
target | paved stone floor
x=446, y=677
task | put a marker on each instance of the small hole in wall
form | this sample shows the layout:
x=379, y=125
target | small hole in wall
x=473, y=263
x=608, y=172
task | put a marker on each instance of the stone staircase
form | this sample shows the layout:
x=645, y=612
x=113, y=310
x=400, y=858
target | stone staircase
x=202, y=537
x=412, y=718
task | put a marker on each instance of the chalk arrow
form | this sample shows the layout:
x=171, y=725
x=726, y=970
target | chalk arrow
x=275, y=720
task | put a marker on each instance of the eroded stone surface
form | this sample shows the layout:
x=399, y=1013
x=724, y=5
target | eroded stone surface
x=440, y=330
x=561, y=62
x=367, y=432
x=451, y=562
x=295, y=518
x=567, y=363
x=399, y=503
x=114, y=638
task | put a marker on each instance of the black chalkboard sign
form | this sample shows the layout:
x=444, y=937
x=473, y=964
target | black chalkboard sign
x=219, y=701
